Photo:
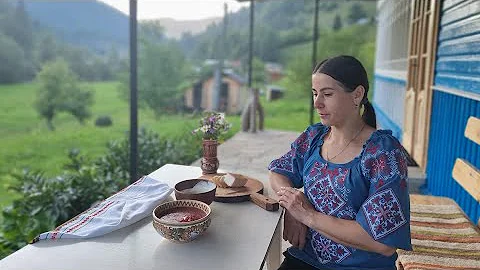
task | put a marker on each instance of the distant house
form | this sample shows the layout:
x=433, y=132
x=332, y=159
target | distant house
x=233, y=94
x=274, y=92
x=273, y=72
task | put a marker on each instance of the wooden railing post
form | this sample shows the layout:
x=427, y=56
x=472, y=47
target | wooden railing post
x=253, y=111
x=250, y=111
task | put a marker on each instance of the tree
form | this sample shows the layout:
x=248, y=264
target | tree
x=114, y=62
x=59, y=91
x=345, y=41
x=355, y=13
x=78, y=103
x=331, y=6
x=5, y=11
x=161, y=71
x=13, y=60
x=258, y=73
x=187, y=43
x=20, y=29
x=47, y=50
x=337, y=23
x=266, y=47
x=151, y=31
x=299, y=77
x=78, y=60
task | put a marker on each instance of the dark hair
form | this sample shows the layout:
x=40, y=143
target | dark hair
x=350, y=73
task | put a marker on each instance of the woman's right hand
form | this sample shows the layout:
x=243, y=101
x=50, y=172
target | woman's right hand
x=294, y=231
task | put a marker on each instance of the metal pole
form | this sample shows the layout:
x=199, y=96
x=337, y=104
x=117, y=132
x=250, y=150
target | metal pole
x=250, y=43
x=133, y=91
x=252, y=116
x=314, y=51
x=224, y=31
x=218, y=74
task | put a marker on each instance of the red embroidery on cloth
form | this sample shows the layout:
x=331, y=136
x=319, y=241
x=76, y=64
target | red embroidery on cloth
x=322, y=188
x=283, y=163
x=383, y=213
x=94, y=212
x=328, y=250
x=85, y=221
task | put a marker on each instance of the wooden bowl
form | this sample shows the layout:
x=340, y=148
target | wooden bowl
x=183, y=190
x=181, y=232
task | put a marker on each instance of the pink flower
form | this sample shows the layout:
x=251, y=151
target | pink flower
x=212, y=125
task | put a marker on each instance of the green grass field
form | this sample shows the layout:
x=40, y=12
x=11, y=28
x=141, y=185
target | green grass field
x=27, y=143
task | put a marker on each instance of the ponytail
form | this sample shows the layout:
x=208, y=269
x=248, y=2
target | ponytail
x=349, y=73
x=368, y=115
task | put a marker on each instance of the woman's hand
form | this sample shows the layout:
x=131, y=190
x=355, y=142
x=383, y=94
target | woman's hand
x=295, y=202
x=294, y=231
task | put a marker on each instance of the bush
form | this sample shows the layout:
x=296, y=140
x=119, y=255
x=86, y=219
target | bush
x=45, y=203
x=103, y=121
x=153, y=152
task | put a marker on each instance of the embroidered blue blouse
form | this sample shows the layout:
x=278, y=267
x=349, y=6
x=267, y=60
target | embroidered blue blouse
x=371, y=189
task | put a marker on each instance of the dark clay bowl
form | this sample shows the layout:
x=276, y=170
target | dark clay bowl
x=205, y=195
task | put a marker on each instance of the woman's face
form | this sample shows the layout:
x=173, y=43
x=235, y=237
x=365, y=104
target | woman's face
x=332, y=102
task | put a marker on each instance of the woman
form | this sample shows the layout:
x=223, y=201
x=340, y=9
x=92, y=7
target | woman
x=354, y=211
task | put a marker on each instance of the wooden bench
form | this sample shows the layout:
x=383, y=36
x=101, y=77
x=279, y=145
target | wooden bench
x=442, y=235
x=465, y=173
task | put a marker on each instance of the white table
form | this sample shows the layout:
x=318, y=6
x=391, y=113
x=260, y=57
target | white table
x=238, y=238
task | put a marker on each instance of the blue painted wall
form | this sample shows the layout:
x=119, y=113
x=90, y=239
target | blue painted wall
x=447, y=142
x=389, y=95
x=458, y=51
x=457, y=68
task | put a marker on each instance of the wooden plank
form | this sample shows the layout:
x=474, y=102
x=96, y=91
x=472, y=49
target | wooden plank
x=472, y=131
x=424, y=99
x=409, y=101
x=468, y=177
x=274, y=255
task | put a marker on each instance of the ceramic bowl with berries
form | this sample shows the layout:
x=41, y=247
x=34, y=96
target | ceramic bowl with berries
x=181, y=221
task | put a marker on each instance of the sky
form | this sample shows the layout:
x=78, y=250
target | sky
x=177, y=9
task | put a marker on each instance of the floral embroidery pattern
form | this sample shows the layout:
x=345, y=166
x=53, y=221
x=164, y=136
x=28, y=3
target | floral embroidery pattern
x=327, y=250
x=338, y=176
x=383, y=213
x=299, y=148
x=372, y=148
x=401, y=161
x=376, y=166
x=284, y=163
x=347, y=213
x=384, y=165
x=321, y=191
x=316, y=169
x=301, y=144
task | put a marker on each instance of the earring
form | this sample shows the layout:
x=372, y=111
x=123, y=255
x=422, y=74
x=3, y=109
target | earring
x=356, y=105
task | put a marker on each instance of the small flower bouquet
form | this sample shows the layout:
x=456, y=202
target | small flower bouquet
x=212, y=125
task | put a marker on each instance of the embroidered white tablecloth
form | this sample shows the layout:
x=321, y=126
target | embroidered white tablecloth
x=126, y=207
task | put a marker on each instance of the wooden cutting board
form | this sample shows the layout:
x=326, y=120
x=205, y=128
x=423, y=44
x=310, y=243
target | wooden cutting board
x=252, y=191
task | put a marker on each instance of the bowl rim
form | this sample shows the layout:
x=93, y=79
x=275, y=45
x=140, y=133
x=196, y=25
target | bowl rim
x=181, y=224
x=214, y=186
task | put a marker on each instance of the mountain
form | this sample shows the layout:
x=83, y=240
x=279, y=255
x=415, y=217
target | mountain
x=98, y=26
x=88, y=23
x=175, y=29
x=278, y=25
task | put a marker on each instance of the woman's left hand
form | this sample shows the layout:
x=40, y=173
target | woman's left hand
x=295, y=202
